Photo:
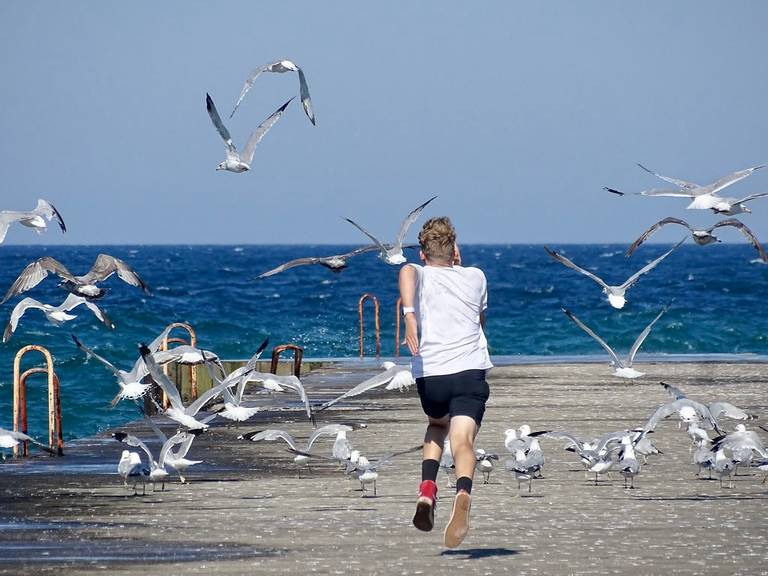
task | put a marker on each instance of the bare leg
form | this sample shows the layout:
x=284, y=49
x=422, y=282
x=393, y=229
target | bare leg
x=462, y=432
x=437, y=430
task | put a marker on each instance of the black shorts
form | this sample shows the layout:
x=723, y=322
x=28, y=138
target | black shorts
x=461, y=394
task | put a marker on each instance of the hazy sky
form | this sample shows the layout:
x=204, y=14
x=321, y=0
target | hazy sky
x=515, y=113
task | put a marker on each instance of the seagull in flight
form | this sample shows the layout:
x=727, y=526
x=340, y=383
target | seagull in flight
x=34, y=219
x=131, y=385
x=732, y=206
x=235, y=161
x=717, y=409
x=702, y=236
x=335, y=263
x=280, y=66
x=616, y=294
x=85, y=285
x=57, y=315
x=9, y=439
x=395, y=377
x=622, y=368
x=394, y=254
x=702, y=196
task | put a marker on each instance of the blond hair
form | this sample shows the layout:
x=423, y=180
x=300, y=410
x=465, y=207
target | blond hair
x=437, y=239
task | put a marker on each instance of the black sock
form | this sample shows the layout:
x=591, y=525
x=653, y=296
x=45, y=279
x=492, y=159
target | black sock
x=464, y=483
x=429, y=470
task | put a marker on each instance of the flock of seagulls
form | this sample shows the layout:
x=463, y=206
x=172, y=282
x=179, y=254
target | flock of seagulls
x=703, y=197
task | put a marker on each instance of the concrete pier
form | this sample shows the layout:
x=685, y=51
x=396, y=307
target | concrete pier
x=247, y=511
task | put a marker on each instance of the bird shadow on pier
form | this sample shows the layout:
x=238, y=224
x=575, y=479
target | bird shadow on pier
x=478, y=553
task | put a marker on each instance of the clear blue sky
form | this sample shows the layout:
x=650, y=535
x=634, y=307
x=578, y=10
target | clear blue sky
x=515, y=113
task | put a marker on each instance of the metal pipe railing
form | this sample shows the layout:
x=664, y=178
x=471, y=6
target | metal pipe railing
x=360, y=303
x=298, y=355
x=398, y=306
x=192, y=369
x=55, y=433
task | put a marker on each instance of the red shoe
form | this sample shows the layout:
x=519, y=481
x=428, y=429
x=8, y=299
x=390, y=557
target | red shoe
x=424, y=519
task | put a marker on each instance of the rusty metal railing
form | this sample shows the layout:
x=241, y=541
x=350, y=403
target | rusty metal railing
x=398, y=306
x=192, y=369
x=298, y=355
x=360, y=303
x=55, y=434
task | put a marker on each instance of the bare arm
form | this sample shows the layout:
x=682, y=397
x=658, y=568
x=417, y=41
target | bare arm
x=407, y=283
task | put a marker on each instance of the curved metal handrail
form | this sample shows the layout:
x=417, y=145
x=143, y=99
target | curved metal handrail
x=360, y=303
x=55, y=433
x=298, y=355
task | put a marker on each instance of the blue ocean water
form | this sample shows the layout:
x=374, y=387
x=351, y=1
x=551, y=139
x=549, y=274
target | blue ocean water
x=716, y=295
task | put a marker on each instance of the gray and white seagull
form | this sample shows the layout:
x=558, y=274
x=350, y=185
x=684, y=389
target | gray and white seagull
x=34, y=219
x=335, y=263
x=235, y=161
x=703, y=197
x=280, y=67
x=622, y=368
x=85, y=285
x=55, y=314
x=702, y=236
x=394, y=254
x=615, y=294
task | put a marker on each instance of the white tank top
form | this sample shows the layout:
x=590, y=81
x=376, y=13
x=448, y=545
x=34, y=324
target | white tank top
x=448, y=304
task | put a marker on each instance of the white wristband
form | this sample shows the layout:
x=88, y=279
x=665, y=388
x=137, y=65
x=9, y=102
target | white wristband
x=407, y=309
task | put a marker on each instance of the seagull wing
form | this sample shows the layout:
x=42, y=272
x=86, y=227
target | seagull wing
x=107, y=265
x=272, y=434
x=719, y=409
x=161, y=379
x=291, y=264
x=91, y=354
x=306, y=102
x=248, y=368
x=654, y=192
x=132, y=440
x=385, y=459
x=676, y=181
x=259, y=133
x=644, y=236
x=410, y=219
x=327, y=430
x=738, y=441
x=17, y=313
x=220, y=128
x=676, y=393
x=369, y=384
x=371, y=236
x=45, y=208
x=673, y=407
x=650, y=266
x=206, y=397
x=748, y=234
x=34, y=273
x=169, y=444
x=255, y=73
x=156, y=429
x=21, y=437
x=597, y=338
x=750, y=197
x=726, y=181
x=641, y=338
x=73, y=301
x=566, y=262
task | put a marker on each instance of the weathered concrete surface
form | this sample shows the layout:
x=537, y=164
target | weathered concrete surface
x=246, y=511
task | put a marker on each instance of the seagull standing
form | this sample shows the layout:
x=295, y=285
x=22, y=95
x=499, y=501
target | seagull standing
x=34, y=219
x=394, y=254
x=622, y=368
x=280, y=67
x=84, y=285
x=56, y=315
x=628, y=465
x=615, y=294
x=236, y=162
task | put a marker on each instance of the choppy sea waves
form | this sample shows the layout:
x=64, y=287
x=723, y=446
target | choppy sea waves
x=716, y=296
